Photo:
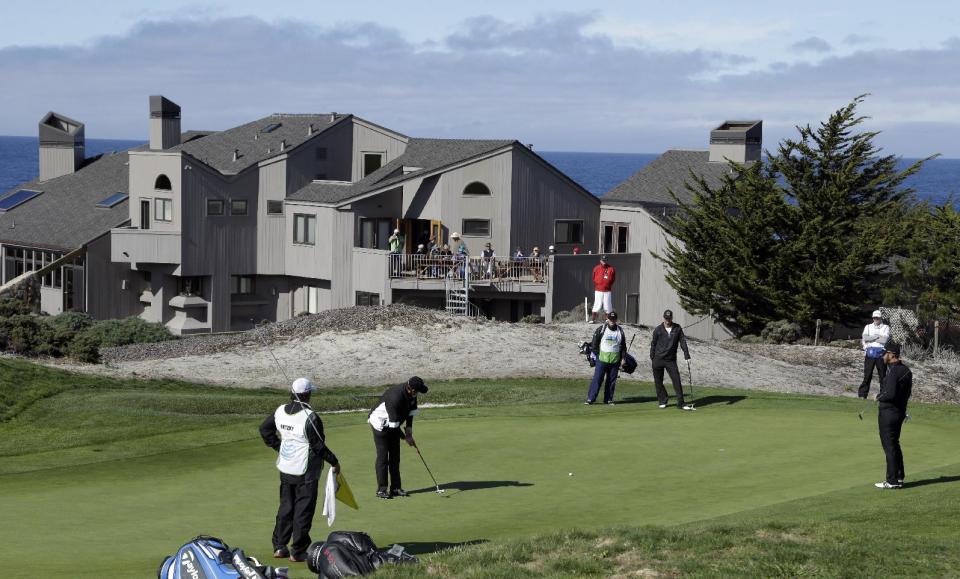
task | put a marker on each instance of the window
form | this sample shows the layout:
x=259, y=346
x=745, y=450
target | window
x=14, y=199
x=568, y=231
x=304, y=229
x=476, y=227
x=271, y=127
x=190, y=286
x=238, y=207
x=112, y=200
x=241, y=285
x=368, y=299
x=163, y=183
x=214, y=206
x=374, y=233
x=163, y=209
x=321, y=153
x=476, y=188
x=614, y=238
x=274, y=207
x=371, y=162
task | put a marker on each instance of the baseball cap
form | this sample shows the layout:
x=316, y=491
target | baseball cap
x=455, y=235
x=612, y=316
x=302, y=386
x=603, y=258
x=396, y=231
x=667, y=314
x=877, y=314
x=417, y=384
x=893, y=348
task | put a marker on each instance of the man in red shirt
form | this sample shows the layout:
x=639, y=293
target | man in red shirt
x=603, y=277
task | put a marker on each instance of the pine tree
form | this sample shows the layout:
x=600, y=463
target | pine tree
x=848, y=202
x=726, y=260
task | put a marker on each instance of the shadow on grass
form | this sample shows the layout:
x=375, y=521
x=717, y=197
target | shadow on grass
x=428, y=547
x=708, y=400
x=637, y=400
x=472, y=485
x=931, y=481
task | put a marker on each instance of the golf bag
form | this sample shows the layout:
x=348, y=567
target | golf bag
x=587, y=351
x=629, y=363
x=351, y=554
x=207, y=557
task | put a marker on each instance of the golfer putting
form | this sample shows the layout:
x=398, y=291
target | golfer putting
x=397, y=406
x=667, y=337
x=301, y=451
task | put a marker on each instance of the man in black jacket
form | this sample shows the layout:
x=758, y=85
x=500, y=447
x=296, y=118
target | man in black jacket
x=610, y=346
x=892, y=400
x=301, y=450
x=398, y=405
x=663, y=354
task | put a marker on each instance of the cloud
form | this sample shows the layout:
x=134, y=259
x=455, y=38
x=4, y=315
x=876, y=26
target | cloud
x=554, y=81
x=812, y=44
x=858, y=39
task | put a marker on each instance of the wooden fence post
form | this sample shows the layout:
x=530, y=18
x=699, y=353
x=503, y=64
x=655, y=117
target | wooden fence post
x=816, y=336
x=936, y=336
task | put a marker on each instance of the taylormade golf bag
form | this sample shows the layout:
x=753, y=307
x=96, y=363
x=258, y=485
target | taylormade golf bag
x=207, y=557
x=587, y=351
x=351, y=554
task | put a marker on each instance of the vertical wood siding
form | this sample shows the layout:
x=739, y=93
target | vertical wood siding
x=366, y=139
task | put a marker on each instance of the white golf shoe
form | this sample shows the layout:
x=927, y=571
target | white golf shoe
x=886, y=485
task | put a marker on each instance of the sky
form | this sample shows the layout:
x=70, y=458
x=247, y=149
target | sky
x=615, y=76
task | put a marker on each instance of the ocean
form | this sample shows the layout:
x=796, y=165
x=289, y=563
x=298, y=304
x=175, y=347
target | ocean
x=596, y=172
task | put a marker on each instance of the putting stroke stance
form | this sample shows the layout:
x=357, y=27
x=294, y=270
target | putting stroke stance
x=892, y=400
x=301, y=451
x=398, y=405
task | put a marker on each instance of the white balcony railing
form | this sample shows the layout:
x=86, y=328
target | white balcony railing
x=479, y=269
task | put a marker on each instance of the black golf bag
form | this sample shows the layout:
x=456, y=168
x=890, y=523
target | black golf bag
x=587, y=351
x=351, y=554
x=629, y=363
x=207, y=557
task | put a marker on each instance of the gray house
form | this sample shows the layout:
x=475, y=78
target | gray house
x=60, y=223
x=292, y=213
x=636, y=215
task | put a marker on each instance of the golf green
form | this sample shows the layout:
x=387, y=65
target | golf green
x=507, y=470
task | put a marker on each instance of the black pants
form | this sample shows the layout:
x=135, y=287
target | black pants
x=298, y=501
x=671, y=367
x=387, y=442
x=890, y=421
x=868, y=364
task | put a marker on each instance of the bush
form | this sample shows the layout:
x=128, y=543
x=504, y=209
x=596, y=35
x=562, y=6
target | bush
x=110, y=333
x=751, y=339
x=531, y=319
x=10, y=307
x=804, y=342
x=574, y=315
x=781, y=332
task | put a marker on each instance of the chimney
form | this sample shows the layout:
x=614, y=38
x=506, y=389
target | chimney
x=236, y=155
x=283, y=145
x=739, y=141
x=61, y=145
x=310, y=129
x=164, y=123
x=333, y=117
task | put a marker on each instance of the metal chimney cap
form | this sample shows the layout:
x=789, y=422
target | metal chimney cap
x=163, y=108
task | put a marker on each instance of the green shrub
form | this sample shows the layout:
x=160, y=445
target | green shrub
x=751, y=339
x=781, y=332
x=804, y=342
x=108, y=333
x=11, y=307
x=531, y=319
x=85, y=348
x=26, y=335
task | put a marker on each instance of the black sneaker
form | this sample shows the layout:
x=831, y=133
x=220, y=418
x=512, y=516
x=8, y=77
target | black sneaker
x=399, y=493
x=281, y=553
x=298, y=557
x=383, y=495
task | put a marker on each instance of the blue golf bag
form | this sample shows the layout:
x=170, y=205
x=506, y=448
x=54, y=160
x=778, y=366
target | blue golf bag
x=207, y=557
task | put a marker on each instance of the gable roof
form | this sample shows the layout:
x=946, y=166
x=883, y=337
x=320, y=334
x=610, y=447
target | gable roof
x=651, y=186
x=256, y=141
x=65, y=216
x=422, y=155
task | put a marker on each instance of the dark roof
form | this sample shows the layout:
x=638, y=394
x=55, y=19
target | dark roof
x=425, y=155
x=65, y=215
x=651, y=186
x=256, y=141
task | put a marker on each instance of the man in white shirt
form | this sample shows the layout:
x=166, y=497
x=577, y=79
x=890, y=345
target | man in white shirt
x=875, y=336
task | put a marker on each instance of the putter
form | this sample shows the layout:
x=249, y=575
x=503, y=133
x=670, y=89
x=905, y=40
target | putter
x=866, y=406
x=690, y=378
x=439, y=491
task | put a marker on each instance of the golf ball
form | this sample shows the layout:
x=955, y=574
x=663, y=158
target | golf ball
x=569, y=474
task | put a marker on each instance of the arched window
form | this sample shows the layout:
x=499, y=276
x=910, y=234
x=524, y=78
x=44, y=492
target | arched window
x=476, y=188
x=163, y=183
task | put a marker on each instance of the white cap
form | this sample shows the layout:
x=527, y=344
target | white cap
x=551, y=247
x=302, y=386
x=877, y=314
x=396, y=231
x=455, y=235
x=420, y=246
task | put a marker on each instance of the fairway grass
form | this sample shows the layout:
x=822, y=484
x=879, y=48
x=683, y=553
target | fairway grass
x=102, y=478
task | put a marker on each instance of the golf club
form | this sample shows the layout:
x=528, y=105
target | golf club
x=866, y=406
x=439, y=490
x=690, y=378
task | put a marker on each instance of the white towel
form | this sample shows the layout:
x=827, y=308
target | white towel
x=330, y=498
